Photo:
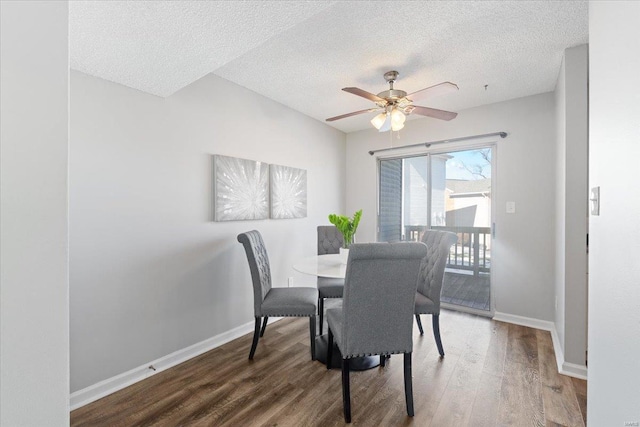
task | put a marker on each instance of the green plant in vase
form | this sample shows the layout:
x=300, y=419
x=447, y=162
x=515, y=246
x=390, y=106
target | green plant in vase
x=347, y=226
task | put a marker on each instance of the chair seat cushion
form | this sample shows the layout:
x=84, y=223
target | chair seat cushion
x=424, y=305
x=334, y=320
x=287, y=302
x=330, y=288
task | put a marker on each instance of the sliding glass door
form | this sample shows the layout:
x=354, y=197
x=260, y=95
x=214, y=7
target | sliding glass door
x=444, y=191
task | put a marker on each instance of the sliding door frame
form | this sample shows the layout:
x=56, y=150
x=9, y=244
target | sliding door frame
x=444, y=149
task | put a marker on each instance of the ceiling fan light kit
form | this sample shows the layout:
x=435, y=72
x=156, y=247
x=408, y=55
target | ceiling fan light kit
x=397, y=104
x=379, y=120
x=393, y=118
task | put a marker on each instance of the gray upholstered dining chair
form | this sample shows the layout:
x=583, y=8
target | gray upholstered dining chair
x=431, y=279
x=330, y=241
x=376, y=316
x=280, y=302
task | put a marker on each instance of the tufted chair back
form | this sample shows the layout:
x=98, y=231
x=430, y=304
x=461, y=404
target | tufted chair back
x=330, y=239
x=259, y=266
x=432, y=267
x=379, y=298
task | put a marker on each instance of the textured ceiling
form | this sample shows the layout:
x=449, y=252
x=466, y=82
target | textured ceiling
x=302, y=53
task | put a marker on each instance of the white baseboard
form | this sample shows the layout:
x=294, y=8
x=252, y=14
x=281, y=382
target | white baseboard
x=574, y=370
x=557, y=348
x=564, y=368
x=110, y=385
x=544, y=325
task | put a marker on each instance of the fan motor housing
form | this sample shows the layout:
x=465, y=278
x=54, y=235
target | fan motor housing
x=392, y=94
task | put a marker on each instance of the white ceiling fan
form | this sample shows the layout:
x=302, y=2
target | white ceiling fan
x=394, y=104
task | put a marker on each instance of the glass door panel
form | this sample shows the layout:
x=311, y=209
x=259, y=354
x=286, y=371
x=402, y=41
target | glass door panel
x=461, y=203
x=448, y=191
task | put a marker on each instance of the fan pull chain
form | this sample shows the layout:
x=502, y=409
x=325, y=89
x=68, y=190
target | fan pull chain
x=391, y=137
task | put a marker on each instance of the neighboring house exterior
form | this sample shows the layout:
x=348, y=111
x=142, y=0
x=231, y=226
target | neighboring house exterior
x=468, y=203
x=455, y=202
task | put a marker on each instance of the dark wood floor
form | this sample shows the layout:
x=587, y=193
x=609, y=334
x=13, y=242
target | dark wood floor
x=467, y=290
x=493, y=374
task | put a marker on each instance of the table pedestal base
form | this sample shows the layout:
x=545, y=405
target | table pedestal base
x=355, y=364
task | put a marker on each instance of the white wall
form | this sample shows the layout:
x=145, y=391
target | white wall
x=559, y=223
x=151, y=273
x=614, y=270
x=34, y=303
x=523, y=273
x=571, y=205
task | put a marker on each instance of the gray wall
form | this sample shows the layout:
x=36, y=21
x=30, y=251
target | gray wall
x=523, y=273
x=151, y=273
x=34, y=301
x=614, y=270
x=571, y=205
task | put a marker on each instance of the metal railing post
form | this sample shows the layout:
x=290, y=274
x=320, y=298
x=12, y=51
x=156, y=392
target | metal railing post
x=476, y=252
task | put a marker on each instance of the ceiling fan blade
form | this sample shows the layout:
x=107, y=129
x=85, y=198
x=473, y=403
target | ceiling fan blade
x=363, y=93
x=432, y=112
x=436, y=90
x=355, y=113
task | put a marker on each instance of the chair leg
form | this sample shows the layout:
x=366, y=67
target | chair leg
x=256, y=337
x=383, y=359
x=264, y=326
x=321, y=310
x=329, y=349
x=435, y=320
x=408, y=384
x=419, y=324
x=312, y=336
x=346, y=393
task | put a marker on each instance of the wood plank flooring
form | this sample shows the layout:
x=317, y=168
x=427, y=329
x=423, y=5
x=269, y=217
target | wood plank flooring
x=493, y=374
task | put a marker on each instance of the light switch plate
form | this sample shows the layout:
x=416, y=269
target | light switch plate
x=594, y=198
x=511, y=207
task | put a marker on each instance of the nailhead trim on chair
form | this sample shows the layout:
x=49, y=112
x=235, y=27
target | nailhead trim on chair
x=291, y=315
x=351, y=356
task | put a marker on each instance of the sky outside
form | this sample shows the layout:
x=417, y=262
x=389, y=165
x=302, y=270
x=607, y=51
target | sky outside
x=463, y=163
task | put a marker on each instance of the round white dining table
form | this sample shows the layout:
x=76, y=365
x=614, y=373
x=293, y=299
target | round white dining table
x=330, y=266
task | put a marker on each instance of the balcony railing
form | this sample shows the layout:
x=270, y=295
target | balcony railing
x=472, y=252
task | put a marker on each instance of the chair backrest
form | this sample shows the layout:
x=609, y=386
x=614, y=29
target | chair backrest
x=379, y=297
x=330, y=239
x=432, y=267
x=259, y=266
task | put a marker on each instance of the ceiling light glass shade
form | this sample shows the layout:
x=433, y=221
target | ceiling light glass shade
x=378, y=120
x=397, y=119
x=389, y=120
x=386, y=125
x=396, y=127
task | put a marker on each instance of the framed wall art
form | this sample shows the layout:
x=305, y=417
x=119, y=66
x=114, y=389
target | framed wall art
x=241, y=189
x=288, y=192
